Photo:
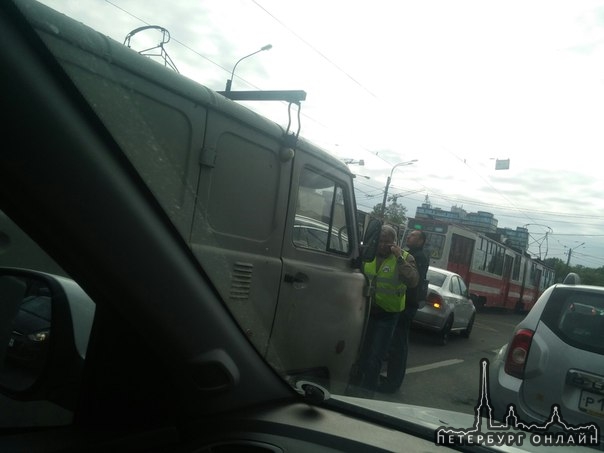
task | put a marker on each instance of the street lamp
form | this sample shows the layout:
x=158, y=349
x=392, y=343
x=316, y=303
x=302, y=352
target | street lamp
x=230, y=81
x=400, y=164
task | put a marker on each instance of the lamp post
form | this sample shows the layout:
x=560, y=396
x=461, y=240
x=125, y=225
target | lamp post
x=230, y=81
x=400, y=164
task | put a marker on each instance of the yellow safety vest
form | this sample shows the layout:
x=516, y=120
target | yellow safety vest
x=389, y=290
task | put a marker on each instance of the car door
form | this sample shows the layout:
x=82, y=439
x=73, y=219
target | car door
x=466, y=304
x=459, y=301
x=322, y=309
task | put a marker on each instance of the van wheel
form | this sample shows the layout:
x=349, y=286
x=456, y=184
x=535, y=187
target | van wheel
x=446, y=332
x=468, y=330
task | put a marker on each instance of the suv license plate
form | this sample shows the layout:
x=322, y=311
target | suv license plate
x=592, y=403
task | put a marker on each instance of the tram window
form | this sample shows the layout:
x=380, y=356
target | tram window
x=516, y=268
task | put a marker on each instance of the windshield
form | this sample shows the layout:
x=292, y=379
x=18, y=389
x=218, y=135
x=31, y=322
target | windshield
x=269, y=134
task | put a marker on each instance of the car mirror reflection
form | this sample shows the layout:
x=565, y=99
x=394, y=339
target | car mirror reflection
x=25, y=329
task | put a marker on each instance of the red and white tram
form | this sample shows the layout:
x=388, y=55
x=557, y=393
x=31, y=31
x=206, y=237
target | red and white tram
x=496, y=275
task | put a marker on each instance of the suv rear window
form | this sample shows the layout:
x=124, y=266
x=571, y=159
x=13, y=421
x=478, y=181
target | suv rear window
x=577, y=316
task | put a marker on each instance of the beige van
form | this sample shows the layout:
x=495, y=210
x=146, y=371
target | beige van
x=271, y=217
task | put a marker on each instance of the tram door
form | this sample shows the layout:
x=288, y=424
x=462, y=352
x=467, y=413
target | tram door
x=460, y=256
x=507, y=274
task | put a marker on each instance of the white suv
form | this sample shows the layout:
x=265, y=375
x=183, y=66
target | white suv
x=555, y=359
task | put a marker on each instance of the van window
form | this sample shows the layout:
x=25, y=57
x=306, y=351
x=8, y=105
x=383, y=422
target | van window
x=245, y=186
x=320, y=222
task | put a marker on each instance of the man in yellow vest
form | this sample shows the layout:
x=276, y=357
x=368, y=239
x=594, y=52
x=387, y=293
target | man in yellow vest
x=391, y=272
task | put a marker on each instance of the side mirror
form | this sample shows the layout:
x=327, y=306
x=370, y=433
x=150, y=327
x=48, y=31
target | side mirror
x=45, y=323
x=371, y=240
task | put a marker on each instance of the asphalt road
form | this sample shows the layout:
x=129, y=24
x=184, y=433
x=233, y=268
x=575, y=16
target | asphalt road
x=447, y=377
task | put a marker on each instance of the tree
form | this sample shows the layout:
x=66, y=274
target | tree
x=394, y=214
x=560, y=268
x=588, y=276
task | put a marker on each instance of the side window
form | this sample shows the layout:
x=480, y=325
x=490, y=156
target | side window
x=321, y=214
x=463, y=287
x=516, y=268
x=244, y=188
x=454, y=287
x=435, y=245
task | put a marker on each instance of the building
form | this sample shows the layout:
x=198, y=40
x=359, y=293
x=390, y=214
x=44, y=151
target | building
x=481, y=222
x=517, y=239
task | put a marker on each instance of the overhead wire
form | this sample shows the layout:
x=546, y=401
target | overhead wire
x=317, y=51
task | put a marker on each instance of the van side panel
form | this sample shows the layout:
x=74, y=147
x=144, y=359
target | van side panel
x=219, y=171
x=164, y=129
x=239, y=217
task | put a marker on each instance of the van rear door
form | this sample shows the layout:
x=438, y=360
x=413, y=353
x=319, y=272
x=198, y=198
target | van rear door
x=321, y=311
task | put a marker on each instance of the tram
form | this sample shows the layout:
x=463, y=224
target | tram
x=496, y=275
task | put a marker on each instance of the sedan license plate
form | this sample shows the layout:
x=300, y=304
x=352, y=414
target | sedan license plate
x=592, y=403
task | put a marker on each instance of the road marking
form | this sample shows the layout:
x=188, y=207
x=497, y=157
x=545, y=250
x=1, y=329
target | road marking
x=431, y=366
x=483, y=326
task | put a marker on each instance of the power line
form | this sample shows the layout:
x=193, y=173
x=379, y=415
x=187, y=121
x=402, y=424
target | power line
x=317, y=51
x=437, y=195
x=172, y=38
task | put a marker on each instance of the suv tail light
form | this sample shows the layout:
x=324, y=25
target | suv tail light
x=435, y=300
x=517, y=354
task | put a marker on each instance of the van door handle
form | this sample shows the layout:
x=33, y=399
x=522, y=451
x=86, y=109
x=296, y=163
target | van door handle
x=299, y=280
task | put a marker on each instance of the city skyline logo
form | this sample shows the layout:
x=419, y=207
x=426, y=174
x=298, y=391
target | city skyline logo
x=513, y=431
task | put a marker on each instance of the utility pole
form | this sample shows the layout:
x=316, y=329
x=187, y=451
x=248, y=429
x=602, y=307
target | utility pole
x=570, y=251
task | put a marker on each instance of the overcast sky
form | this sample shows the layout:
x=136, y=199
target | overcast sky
x=453, y=84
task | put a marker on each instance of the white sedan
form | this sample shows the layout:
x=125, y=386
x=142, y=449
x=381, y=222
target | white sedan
x=448, y=306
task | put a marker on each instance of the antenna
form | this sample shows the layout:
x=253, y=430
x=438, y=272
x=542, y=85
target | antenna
x=152, y=51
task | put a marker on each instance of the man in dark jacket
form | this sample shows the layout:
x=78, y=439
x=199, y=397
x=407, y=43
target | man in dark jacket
x=399, y=346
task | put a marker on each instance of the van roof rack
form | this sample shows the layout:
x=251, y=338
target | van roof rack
x=292, y=96
x=289, y=96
